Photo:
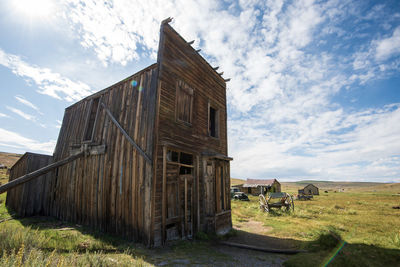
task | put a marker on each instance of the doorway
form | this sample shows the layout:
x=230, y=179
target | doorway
x=179, y=195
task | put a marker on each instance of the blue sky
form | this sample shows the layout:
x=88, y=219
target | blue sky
x=314, y=90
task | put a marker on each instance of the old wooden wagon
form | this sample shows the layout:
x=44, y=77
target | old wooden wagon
x=145, y=158
x=276, y=200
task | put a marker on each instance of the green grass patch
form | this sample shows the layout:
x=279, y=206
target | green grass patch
x=365, y=222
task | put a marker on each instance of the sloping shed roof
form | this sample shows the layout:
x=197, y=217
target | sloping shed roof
x=259, y=182
x=27, y=154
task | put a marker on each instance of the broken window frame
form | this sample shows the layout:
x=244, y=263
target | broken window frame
x=89, y=129
x=182, y=90
x=178, y=162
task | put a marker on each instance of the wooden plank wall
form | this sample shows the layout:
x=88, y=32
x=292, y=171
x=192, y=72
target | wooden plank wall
x=33, y=197
x=180, y=62
x=112, y=191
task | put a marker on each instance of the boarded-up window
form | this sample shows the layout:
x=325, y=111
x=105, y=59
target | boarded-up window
x=91, y=119
x=213, y=121
x=184, y=102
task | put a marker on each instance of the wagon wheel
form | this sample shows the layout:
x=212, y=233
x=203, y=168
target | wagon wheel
x=263, y=203
x=290, y=203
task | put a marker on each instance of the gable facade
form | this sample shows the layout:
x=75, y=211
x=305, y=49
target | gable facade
x=154, y=164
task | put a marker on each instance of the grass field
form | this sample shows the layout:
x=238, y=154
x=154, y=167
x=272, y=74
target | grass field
x=357, y=227
x=364, y=221
x=8, y=159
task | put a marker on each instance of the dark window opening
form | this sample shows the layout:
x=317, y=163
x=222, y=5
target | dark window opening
x=186, y=159
x=91, y=120
x=213, y=122
x=180, y=157
x=173, y=156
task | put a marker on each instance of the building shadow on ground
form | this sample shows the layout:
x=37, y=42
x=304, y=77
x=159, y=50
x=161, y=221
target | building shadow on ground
x=208, y=250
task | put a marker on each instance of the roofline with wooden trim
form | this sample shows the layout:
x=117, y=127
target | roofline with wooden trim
x=152, y=66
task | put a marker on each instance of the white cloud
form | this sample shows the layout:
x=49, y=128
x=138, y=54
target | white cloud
x=283, y=119
x=24, y=101
x=330, y=145
x=48, y=82
x=26, y=116
x=115, y=29
x=16, y=141
x=2, y=115
x=389, y=46
x=22, y=114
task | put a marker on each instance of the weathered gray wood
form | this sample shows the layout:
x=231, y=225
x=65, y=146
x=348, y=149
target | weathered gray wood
x=37, y=173
x=146, y=157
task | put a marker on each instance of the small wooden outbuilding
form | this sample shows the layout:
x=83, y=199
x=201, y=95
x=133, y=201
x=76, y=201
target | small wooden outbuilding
x=33, y=197
x=260, y=186
x=309, y=190
x=146, y=158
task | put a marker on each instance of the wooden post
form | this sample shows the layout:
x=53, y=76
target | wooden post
x=197, y=192
x=186, y=199
x=164, y=193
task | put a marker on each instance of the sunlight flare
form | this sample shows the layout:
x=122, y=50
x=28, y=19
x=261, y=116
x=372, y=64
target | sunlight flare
x=34, y=9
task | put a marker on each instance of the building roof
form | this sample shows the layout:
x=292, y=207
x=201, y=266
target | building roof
x=259, y=182
x=310, y=185
x=27, y=154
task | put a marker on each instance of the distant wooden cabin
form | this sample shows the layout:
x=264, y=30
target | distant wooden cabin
x=155, y=165
x=309, y=190
x=260, y=186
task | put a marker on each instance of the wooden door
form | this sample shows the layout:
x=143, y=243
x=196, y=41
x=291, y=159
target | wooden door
x=179, y=206
x=222, y=186
x=209, y=184
x=186, y=192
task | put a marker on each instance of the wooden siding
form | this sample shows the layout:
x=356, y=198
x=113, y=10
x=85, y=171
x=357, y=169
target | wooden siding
x=311, y=190
x=110, y=191
x=179, y=62
x=35, y=196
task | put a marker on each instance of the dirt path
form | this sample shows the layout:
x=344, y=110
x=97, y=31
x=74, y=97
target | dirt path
x=256, y=234
x=248, y=232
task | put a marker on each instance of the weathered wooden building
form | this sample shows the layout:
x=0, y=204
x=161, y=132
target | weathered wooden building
x=260, y=186
x=33, y=197
x=151, y=152
x=309, y=190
